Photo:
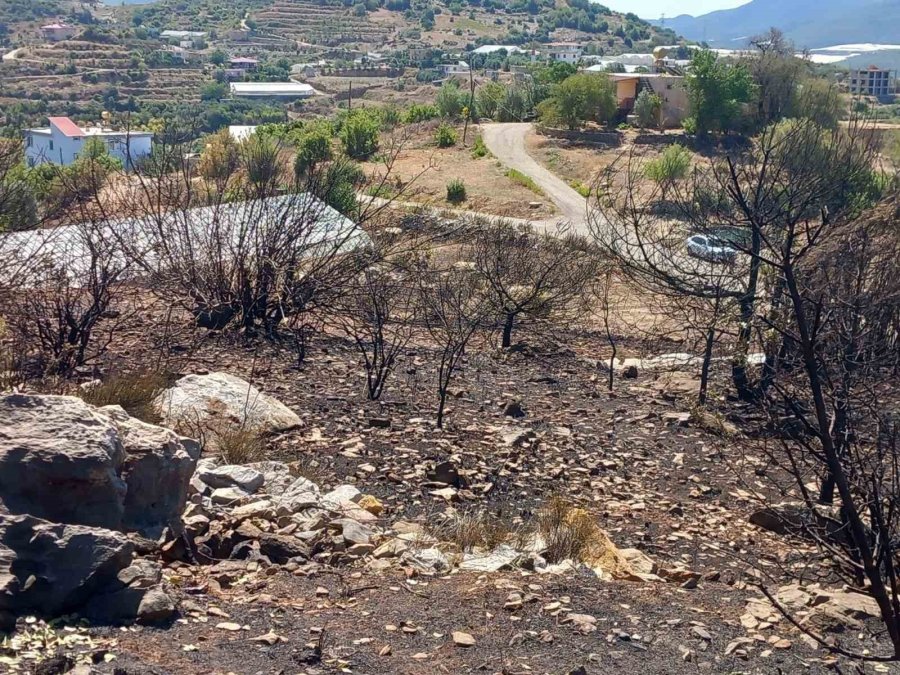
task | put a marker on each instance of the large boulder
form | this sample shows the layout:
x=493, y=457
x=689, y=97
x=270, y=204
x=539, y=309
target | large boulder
x=61, y=460
x=65, y=461
x=223, y=398
x=54, y=568
x=157, y=471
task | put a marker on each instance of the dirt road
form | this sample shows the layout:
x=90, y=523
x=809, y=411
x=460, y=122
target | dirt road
x=507, y=143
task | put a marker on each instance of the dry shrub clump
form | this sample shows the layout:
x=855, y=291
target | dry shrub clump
x=134, y=392
x=472, y=529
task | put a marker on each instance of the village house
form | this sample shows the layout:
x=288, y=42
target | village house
x=670, y=89
x=62, y=142
x=239, y=66
x=57, y=32
x=567, y=52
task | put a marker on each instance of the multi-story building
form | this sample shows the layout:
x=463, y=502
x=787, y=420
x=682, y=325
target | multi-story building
x=873, y=81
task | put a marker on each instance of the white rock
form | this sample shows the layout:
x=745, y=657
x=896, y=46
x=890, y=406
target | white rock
x=233, y=475
x=501, y=557
x=223, y=397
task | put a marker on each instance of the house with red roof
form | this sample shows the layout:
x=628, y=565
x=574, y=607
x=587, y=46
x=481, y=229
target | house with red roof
x=62, y=142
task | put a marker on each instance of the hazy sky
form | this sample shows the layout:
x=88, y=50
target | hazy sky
x=652, y=9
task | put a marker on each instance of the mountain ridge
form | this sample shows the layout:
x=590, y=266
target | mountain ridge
x=809, y=23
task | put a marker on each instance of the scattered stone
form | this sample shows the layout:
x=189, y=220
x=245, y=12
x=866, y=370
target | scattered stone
x=461, y=639
x=514, y=409
x=502, y=557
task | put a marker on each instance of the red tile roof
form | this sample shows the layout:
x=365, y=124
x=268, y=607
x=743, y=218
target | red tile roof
x=66, y=126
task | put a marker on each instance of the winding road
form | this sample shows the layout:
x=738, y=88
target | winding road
x=507, y=143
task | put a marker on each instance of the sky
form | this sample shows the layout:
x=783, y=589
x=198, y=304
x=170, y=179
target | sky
x=652, y=9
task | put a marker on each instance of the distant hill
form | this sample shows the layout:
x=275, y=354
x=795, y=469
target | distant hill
x=809, y=23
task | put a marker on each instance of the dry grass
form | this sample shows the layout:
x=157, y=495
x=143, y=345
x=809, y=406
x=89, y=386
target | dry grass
x=134, y=392
x=472, y=529
x=237, y=445
x=568, y=532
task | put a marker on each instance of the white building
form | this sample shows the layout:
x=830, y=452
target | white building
x=183, y=35
x=63, y=141
x=567, y=52
x=271, y=90
x=491, y=49
x=57, y=32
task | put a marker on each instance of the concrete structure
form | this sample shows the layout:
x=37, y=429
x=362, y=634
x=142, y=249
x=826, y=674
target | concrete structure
x=670, y=89
x=873, y=81
x=567, y=52
x=57, y=32
x=271, y=90
x=63, y=141
x=490, y=49
x=458, y=68
x=240, y=132
x=182, y=35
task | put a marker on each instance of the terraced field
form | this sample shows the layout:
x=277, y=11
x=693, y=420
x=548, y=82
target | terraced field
x=307, y=22
x=75, y=72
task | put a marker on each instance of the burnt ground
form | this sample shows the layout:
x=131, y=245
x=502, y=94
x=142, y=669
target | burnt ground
x=679, y=492
x=639, y=628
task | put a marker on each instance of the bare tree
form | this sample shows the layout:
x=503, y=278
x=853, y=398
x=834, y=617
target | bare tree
x=532, y=277
x=455, y=307
x=64, y=316
x=378, y=312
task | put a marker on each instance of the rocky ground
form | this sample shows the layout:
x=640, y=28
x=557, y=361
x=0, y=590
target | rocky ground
x=341, y=551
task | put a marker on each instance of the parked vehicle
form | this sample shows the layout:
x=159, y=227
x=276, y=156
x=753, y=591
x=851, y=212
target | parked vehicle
x=711, y=248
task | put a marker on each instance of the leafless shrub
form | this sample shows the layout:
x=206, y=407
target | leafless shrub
x=532, y=278
x=73, y=301
x=378, y=311
x=455, y=307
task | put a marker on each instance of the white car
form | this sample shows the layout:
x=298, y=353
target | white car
x=710, y=248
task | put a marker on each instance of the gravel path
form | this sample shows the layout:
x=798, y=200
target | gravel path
x=507, y=143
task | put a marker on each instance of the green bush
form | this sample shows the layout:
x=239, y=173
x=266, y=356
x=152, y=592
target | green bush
x=456, y=191
x=673, y=164
x=419, y=112
x=450, y=100
x=445, y=136
x=479, y=149
x=313, y=146
x=359, y=134
x=520, y=178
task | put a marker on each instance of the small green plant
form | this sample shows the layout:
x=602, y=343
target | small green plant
x=479, y=149
x=580, y=188
x=520, y=178
x=673, y=164
x=419, y=112
x=456, y=191
x=445, y=136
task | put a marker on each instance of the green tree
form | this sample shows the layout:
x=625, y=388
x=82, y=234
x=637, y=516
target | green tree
x=450, y=100
x=220, y=158
x=313, y=147
x=218, y=57
x=716, y=92
x=648, y=109
x=213, y=91
x=584, y=97
x=489, y=99
x=359, y=134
